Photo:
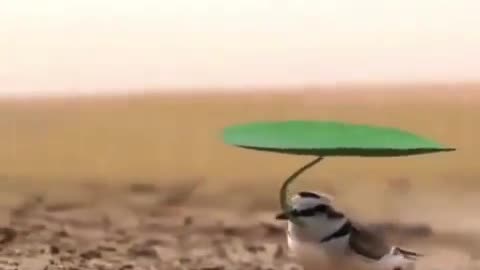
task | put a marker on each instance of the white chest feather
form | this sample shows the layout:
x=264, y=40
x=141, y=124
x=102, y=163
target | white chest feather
x=336, y=254
x=337, y=246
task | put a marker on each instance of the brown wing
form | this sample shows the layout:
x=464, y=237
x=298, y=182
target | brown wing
x=367, y=243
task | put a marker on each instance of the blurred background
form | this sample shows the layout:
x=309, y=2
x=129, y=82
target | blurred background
x=138, y=92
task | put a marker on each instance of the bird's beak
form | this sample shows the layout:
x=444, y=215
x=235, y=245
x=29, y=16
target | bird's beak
x=281, y=216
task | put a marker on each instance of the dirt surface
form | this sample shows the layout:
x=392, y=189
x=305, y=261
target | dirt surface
x=140, y=228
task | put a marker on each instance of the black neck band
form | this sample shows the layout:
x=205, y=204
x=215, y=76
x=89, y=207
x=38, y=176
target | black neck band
x=342, y=231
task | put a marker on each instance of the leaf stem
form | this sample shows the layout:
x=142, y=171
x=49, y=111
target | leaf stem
x=284, y=189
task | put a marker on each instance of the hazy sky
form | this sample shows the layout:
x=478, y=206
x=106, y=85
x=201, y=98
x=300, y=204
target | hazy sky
x=95, y=45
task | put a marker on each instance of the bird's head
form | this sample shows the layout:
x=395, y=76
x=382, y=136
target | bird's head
x=307, y=206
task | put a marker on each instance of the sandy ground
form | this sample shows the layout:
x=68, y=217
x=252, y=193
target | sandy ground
x=229, y=224
x=139, y=227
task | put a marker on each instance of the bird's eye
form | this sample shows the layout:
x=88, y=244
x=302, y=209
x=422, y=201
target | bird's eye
x=332, y=213
x=322, y=208
x=303, y=212
x=307, y=212
x=319, y=209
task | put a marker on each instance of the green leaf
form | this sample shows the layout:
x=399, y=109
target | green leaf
x=329, y=139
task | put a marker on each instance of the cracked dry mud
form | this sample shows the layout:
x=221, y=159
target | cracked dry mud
x=134, y=229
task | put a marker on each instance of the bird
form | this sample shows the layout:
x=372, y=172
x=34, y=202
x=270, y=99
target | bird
x=325, y=238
